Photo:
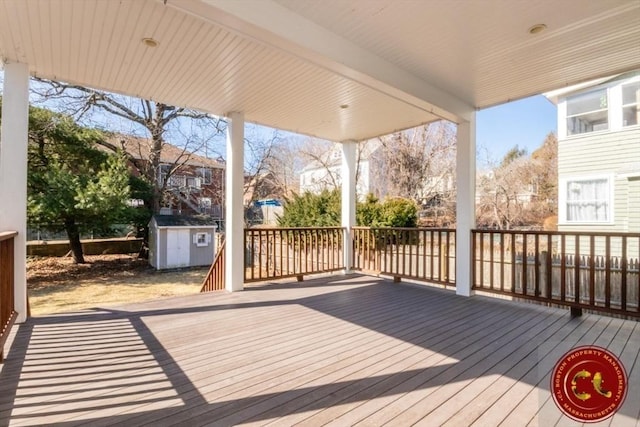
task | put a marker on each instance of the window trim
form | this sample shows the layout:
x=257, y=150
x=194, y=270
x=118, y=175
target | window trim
x=622, y=106
x=205, y=235
x=562, y=198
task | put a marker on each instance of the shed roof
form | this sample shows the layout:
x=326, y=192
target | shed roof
x=183, y=221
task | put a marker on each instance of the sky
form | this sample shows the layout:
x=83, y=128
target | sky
x=525, y=123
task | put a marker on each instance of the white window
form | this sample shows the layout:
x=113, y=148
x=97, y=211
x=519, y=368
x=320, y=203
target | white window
x=631, y=104
x=202, y=239
x=204, y=202
x=163, y=171
x=587, y=112
x=206, y=175
x=193, y=181
x=587, y=200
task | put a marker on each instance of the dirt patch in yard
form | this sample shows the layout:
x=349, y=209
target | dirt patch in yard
x=57, y=285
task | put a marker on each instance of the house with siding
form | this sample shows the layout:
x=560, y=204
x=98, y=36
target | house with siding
x=599, y=155
x=325, y=173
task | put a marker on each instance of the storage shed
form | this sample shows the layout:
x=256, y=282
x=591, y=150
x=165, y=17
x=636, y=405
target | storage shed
x=181, y=241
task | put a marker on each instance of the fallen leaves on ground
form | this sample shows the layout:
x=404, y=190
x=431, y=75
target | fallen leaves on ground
x=57, y=285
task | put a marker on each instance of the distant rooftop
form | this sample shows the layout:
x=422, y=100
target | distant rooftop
x=139, y=148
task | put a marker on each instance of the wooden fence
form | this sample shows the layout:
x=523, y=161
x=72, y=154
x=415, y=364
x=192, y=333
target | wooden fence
x=425, y=254
x=596, y=271
x=7, y=308
x=274, y=253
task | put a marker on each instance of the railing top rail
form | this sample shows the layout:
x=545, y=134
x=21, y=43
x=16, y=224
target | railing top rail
x=559, y=233
x=405, y=228
x=293, y=228
x=4, y=235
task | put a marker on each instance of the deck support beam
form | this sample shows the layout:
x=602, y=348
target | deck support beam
x=348, y=199
x=465, y=203
x=234, y=209
x=13, y=173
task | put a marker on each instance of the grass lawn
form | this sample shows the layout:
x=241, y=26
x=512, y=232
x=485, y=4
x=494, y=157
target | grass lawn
x=57, y=285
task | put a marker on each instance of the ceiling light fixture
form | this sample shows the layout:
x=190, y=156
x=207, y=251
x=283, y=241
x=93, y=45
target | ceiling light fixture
x=538, y=28
x=150, y=42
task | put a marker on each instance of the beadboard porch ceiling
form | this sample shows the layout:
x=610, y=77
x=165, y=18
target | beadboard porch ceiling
x=336, y=69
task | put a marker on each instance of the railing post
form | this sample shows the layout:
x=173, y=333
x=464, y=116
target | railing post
x=7, y=307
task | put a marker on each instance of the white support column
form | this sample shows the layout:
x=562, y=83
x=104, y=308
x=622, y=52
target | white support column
x=348, y=199
x=234, y=221
x=13, y=172
x=465, y=203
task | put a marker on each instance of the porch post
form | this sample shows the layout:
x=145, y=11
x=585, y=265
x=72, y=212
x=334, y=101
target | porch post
x=234, y=214
x=348, y=199
x=13, y=173
x=465, y=203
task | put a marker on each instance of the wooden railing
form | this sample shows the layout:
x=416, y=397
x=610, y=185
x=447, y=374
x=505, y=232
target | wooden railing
x=594, y=271
x=7, y=308
x=274, y=253
x=425, y=254
x=214, y=281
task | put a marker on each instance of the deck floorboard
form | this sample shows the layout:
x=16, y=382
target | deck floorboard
x=336, y=350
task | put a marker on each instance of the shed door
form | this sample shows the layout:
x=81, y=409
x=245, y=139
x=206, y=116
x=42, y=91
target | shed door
x=178, y=248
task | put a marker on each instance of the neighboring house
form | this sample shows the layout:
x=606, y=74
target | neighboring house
x=195, y=187
x=599, y=155
x=326, y=173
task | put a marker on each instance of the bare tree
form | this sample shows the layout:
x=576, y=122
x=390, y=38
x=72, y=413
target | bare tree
x=156, y=118
x=279, y=179
x=419, y=164
x=504, y=196
x=545, y=170
x=520, y=191
x=263, y=166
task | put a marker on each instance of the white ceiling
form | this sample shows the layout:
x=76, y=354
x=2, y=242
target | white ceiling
x=291, y=64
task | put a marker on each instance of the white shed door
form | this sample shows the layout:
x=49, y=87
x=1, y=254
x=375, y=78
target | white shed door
x=178, y=248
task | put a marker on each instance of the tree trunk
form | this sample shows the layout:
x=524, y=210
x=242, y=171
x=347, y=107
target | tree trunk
x=74, y=240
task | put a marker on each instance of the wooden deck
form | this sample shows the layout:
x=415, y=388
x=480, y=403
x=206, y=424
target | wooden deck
x=341, y=350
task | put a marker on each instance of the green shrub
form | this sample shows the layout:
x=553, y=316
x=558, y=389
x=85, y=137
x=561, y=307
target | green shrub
x=312, y=210
x=399, y=212
x=323, y=210
x=369, y=212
